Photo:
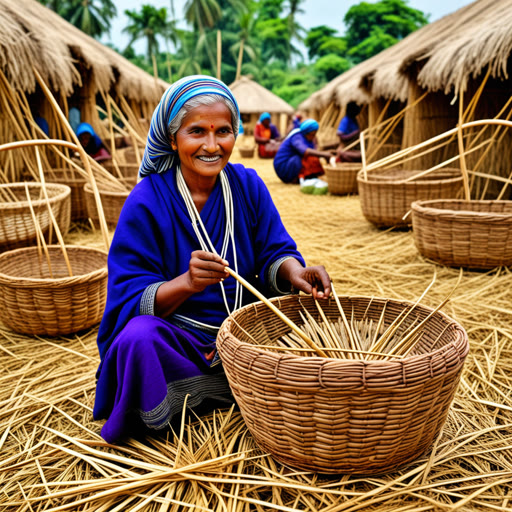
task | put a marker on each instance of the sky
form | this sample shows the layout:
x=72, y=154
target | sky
x=317, y=12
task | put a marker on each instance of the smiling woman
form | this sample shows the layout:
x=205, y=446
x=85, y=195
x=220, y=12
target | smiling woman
x=192, y=215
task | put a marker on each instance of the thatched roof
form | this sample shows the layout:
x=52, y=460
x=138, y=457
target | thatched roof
x=253, y=98
x=35, y=36
x=473, y=38
x=448, y=52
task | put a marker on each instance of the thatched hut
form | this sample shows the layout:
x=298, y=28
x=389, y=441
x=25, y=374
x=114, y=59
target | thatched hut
x=79, y=70
x=465, y=55
x=253, y=99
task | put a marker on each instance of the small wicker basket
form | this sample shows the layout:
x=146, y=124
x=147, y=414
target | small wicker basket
x=342, y=178
x=111, y=200
x=246, y=152
x=17, y=228
x=386, y=198
x=75, y=182
x=458, y=233
x=32, y=302
x=341, y=415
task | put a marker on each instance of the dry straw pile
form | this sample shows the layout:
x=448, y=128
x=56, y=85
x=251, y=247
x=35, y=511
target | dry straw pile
x=54, y=459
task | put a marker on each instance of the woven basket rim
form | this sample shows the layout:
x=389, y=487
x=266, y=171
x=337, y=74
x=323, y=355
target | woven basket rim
x=428, y=207
x=344, y=166
x=117, y=193
x=63, y=173
x=65, y=191
x=400, y=181
x=51, y=282
x=348, y=362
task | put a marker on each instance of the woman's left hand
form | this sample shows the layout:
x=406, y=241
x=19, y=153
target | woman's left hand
x=311, y=280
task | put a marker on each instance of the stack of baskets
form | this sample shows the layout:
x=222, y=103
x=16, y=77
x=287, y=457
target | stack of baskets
x=472, y=234
x=17, y=228
x=341, y=415
x=342, y=178
x=386, y=195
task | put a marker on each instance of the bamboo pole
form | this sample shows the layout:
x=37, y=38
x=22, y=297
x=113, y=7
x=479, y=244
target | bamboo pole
x=219, y=53
x=283, y=317
x=239, y=60
x=78, y=147
x=460, y=141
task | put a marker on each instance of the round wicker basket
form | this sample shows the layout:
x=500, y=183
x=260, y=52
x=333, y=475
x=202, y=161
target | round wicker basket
x=32, y=302
x=17, y=228
x=458, y=233
x=246, y=152
x=341, y=415
x=111, y=200
x=342, y=178
x=76, y=183
x=386, y=198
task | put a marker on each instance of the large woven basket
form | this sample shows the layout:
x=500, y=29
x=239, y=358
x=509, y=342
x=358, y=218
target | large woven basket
x=76, y=183
x=341, y=415
x=472, y=234
x=32, y=302
x=17, y=227
x=111, y=200
x=342, y=178
x=385, y=198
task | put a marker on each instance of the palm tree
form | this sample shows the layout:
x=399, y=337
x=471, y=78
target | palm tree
x=91, y=16
x=149, y=24
x=246, y=43
x=295, y=31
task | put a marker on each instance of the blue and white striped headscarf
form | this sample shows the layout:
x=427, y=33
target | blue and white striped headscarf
x=158, y=154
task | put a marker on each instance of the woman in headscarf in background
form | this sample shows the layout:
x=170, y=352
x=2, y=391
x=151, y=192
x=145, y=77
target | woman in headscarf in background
x=191, y=215
x=298, y=160
x=267, y=136
x=91, y=143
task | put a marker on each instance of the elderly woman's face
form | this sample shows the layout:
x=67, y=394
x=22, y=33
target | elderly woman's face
x=205, y=140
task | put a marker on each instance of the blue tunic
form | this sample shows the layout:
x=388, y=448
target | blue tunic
x=347, y=125
x=288, y=160
x=149, y=364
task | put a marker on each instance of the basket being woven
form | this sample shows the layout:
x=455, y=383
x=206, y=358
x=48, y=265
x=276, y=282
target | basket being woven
x=341, y=415
x=386, y=198
x=342, y=178
x=472, y=234
x=111, y=200
x=17, y=228
x=129, y=172
x=32, y=302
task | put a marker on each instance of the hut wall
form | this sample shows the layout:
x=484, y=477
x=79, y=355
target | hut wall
x=430, y=117
x=497, y=160
x=384, y=141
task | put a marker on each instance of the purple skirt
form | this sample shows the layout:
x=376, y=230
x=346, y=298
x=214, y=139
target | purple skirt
x=148, y=371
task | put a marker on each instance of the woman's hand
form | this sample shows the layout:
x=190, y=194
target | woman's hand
x=312, y=280
x=204, y=269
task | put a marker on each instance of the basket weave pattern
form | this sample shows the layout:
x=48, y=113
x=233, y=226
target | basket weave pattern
x=342, y=178
x=341, y=415
x=473, y=234
x=385, y=198
x=32, y=302
x=111, y=200
x=17, y=228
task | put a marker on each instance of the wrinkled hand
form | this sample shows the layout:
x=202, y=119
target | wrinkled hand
x=312, y=280
x=204, y=269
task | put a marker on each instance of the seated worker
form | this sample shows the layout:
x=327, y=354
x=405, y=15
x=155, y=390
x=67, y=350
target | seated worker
x=294, y=122
x=297, y=160
x=348, y=131
x=92, y=144
x=192, y=214
x=267, y=136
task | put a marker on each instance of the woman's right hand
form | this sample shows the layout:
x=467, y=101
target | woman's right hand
x=204, y=269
